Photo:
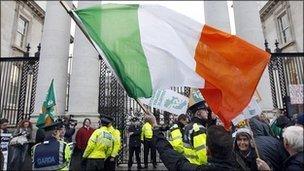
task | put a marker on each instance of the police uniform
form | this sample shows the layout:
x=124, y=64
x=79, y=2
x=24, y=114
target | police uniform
x=110, y=164
x=176, y=138
x=146, y=137
x=99, y=148
x=195, y=137
x=51, y=154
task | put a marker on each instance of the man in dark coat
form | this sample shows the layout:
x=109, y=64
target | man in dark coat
x=259, y=128
x=272, y=150
x=293, y=143
x=219, y=143
x=134, y=142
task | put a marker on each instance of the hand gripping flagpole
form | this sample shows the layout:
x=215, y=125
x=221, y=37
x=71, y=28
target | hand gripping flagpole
x=82, y=28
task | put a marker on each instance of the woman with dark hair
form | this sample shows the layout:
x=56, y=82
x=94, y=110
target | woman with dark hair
x=82, y=137
x=20, y=144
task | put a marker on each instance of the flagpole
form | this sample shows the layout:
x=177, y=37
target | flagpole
x=142, y=106
x=81, y=27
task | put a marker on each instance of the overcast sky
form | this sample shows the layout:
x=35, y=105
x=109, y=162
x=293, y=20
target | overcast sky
x=192, y=9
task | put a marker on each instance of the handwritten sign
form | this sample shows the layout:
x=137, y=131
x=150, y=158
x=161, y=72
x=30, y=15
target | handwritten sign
x=168, y=100
x=296, y=93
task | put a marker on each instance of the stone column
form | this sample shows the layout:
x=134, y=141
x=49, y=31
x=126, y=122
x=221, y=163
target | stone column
x=54, y=56
x=248, y=26
x=84, y=84
x=216, y=15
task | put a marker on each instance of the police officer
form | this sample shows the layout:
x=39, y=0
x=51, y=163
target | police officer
x=177, y=132
x=52, y=153
x=99, y=146
x=134, y=142
x=110, y=161
x=195, y=134
x=146, y=137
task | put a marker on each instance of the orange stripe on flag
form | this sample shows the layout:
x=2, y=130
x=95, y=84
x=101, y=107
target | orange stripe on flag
x=231, y=68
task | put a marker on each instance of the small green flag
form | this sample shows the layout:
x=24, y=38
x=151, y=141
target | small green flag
x=48, y=107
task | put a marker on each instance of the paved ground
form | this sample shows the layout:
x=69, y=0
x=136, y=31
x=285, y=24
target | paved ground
x=160, y=166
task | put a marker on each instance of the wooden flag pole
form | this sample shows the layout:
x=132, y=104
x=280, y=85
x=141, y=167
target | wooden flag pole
x=253, y=141
x=81, y=27
x=142, y=106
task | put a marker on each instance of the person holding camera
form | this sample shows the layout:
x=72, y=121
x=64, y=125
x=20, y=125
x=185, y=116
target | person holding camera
x=69, y=125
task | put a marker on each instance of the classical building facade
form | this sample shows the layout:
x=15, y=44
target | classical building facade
x=21, y=23
x=283, y=21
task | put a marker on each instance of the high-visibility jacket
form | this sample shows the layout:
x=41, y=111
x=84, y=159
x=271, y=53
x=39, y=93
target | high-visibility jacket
x=100, y=144
x=147, y=131
x=117, y=141
x=195, y=143
x=176, y=138
x=51, y=154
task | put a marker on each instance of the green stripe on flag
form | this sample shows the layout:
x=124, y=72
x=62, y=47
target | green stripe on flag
x=115, y=29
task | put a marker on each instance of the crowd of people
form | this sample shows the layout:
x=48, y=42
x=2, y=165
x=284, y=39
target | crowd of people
x=195, y=141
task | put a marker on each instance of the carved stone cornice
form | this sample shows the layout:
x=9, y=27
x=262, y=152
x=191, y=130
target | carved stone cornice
x=35, y=8
x=267, y=9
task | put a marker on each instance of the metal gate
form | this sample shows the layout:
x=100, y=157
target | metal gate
x=114, y=101
x=285, y=69
x=18, y=86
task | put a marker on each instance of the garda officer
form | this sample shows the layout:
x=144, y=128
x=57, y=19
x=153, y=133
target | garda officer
x=146, y=137
x=110, y=162
x=99, y=146
x=177, y=132
x=51, y=154
x=195, y=134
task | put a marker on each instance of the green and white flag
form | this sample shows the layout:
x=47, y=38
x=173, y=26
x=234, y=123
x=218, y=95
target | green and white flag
x=145, y=53
x=48, y=107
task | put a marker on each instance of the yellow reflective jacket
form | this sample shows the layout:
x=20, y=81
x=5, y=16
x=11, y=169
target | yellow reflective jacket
x=147, y=131
x=117, y=140
x=195, y=145
x=176, y=138
x=100, y=144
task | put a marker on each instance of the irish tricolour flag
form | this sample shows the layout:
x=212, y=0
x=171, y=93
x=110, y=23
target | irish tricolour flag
x=152, y=47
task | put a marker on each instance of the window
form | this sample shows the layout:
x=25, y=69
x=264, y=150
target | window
x=284, y=28
x=21, y=32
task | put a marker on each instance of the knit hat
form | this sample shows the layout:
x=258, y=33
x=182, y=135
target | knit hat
x=300, y=119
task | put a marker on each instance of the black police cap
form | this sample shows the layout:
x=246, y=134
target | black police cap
x=105, y=119
x=198, y=106
x=54, y=126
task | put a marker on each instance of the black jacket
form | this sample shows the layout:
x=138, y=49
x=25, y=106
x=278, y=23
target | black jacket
x=259, y=128
x=40, y=135
x=134, y=140
x=177, y=162
x=272, y=151
x=69, y=132
x=294, y=163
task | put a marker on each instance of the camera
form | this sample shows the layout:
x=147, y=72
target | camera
x=68, y=121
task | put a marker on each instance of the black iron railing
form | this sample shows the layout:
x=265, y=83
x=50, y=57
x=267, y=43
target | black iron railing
x=114, y=101
x=285, y=69
x=18, y=86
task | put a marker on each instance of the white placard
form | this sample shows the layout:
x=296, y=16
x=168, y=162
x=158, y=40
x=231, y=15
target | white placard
x=5, y=139
x=296, y=93
x=169, y=101
x=250, y=111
